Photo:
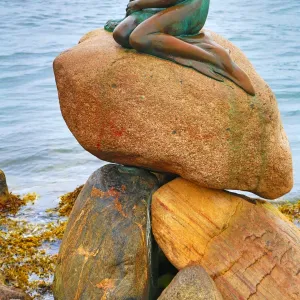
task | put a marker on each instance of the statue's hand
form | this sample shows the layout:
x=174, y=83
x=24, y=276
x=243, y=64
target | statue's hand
x=132, y=7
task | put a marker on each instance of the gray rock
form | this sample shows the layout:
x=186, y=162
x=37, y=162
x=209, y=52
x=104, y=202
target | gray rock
x=10, y=293
x=191, y=283
x=107, y=245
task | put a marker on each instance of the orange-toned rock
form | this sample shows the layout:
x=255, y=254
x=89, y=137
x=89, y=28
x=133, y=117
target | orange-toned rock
x=106, y=252
x=247, y=246
x=135, y=109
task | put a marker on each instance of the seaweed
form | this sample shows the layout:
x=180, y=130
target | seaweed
x=291, y=211
x=23, y=255
x=24, y=260
x=67, y=201
x=15, y=202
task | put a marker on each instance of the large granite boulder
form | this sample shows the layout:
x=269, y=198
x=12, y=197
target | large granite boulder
x=135, y=109
x=191, y=283
x=4, y=194
x=107, y=246
x=247, y=246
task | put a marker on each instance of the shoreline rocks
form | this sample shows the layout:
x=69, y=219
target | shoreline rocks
x=138, y=110
x=247, y=246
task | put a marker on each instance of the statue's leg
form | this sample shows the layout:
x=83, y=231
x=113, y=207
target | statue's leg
x=157, y=35
x=124, y=28
x=123, y=31
x=163, y=34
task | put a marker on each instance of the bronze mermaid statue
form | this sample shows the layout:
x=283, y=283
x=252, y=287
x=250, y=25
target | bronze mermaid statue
x=171, y=29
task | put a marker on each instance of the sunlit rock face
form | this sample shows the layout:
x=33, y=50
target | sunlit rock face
x=247, y=246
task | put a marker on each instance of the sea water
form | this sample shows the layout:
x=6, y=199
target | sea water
x=37, y=151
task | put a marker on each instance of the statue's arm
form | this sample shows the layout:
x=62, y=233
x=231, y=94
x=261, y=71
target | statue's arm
x=157, y=3
x=137, y=5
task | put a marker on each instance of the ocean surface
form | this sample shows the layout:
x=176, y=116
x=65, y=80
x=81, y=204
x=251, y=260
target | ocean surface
x=37, y=151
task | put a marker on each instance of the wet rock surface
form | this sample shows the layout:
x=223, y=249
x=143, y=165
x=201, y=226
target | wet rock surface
x=106, y=252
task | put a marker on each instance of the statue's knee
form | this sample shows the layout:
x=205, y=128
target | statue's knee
x=121, y=37
x=138, y=41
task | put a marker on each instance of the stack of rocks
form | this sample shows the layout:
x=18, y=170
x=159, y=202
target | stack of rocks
x=155, y=118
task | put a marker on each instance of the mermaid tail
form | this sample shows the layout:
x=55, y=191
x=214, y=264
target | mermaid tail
x=226, y=66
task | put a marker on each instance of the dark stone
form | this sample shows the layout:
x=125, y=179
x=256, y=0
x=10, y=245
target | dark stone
x=9, y=293
x=107, y=250
x=164, y=178
x=166, y=271
x=4, y=194
x=191, y=283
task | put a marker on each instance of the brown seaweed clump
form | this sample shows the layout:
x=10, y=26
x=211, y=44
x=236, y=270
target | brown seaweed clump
x=67, y=201
x=25, y=262
x=15, y=202
x=291, y=210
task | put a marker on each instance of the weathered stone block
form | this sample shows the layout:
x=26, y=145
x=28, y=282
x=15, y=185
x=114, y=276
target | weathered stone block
x=247, y=246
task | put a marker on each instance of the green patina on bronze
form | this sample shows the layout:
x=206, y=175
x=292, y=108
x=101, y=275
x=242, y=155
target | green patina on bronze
x=107, y=251
x=171, y=29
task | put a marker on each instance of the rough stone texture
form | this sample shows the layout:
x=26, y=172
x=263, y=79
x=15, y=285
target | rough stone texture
x=4, y=194
x=191, y=283
x=247, y=246
x=135, y=109
x=10, y=293
x=106, y=249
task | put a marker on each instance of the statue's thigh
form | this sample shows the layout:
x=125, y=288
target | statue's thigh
x=178, y=20
x=190, y=23
x=145, y=14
